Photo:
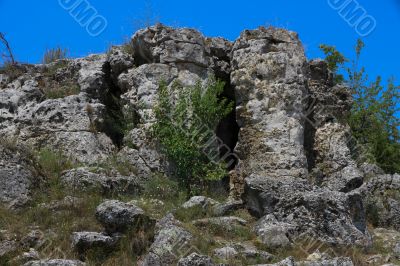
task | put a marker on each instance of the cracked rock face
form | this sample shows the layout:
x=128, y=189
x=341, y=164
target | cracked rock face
x=170, y=236
x=17, y=178
x=274, y=85
x=117, y=216
x=296, y=170
x=269, y=77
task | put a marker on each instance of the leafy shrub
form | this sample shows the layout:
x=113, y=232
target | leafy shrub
x=180, y=125
x=374, y=117
x=52, y=55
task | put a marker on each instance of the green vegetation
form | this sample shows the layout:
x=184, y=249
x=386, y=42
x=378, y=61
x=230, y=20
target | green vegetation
x=121, y=165
x=185, y=127
x=13, y=71
x=52, y=55
x=61, y=92
x=374, y=117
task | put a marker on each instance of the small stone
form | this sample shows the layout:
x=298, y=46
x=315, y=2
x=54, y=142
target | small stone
x=199, y=201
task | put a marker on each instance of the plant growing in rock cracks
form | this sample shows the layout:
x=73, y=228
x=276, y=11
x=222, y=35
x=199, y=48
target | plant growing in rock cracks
x=374, y=117
x=186, y=118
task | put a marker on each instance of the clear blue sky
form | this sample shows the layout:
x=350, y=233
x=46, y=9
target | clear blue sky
x=33, y=26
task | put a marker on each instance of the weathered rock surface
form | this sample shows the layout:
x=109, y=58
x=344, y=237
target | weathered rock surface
x=292, y=208
x=30, y=255
x=298, y=167
x=171, y=243
x=55, y=262
x=245, y=252
x=117, y=216
x=326, y=262
x=84, y=179
x=228, y=223
x=195, y=259
x=382, y=197
x=226, y=253
x=199, y=201
x=7, y=247
x=67, y=123
x=17, y=177
x=269, y=78
x=83, y=241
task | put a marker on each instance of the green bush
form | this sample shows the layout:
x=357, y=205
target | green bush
x=374, y=117
x=185, y=121
x=52, y=55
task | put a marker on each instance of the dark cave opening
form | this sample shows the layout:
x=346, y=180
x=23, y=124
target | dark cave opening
x=113, y=124
x=228, y=132
x=309, y=135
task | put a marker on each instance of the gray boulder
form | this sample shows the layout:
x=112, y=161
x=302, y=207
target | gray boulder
x=296, y=209
x=226, y=253
x=228, y=207
x=371, y=170
x=117, y=216
x=382, y=200
x=7, y=248
x=228, y=223
x=30, y=255
x=195, y=259
x=329, y=262
x=83, y=241
x=286, y=262
x=17, y=177
x=55, y=262
x=396, y=250
x=334, y=158
x=84, y=179
x=199, y=201
x=120, y=60
x=171, y=242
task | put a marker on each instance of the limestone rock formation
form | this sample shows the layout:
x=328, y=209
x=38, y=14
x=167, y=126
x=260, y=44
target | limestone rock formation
x=296, y=171
x=17, y=177
x=118, y=216
x=170, y=240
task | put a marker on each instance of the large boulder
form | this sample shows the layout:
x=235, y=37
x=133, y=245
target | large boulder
x=117, y=216
x=382, y=200
x=195, y=259
x=171, y=242
x=291, y=209
x=83, y=241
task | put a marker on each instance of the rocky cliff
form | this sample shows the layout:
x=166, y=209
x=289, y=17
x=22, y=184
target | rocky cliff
x=296, y=170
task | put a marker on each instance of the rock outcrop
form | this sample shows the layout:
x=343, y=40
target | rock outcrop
x=18, y=176
x=278, y=146
x=294, y=165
